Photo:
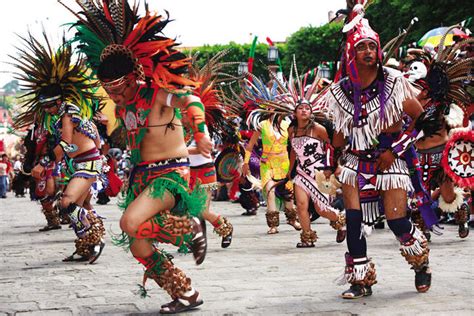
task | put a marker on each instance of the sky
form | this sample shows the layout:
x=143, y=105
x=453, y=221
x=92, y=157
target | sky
x=195, y=22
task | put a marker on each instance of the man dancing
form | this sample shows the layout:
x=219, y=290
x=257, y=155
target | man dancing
x=159, y=206
x=62, y=101
x=368, y=104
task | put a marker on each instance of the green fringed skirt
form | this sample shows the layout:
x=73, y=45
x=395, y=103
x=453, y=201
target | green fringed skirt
x=170, y=175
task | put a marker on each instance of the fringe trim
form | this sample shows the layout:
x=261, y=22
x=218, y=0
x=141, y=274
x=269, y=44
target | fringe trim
x=370, y=213
x=390, y=181
x=357, y=272
x=415, y=249
x=454, y=205
x=397, y=90
x=191, y=204
x=348, y=176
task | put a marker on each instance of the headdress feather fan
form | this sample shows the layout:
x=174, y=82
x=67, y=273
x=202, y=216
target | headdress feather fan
x=112, y=26
x=38, y=66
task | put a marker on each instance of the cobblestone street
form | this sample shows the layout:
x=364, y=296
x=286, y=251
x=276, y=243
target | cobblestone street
x=259, y=273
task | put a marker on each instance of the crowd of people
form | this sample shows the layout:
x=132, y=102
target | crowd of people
x=376, y=145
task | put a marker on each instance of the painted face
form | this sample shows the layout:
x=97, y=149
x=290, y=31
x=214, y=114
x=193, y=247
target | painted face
x=52, y=107
x=303, y=111
x=366, y=53
x=121, y=90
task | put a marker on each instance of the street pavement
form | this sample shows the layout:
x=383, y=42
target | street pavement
x=259, y=274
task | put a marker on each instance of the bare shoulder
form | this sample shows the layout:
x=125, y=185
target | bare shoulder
x=412, y=107
x=320, y=132
x=290, y=131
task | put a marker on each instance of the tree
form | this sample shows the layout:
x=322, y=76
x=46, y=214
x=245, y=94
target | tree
x=388, y=16
x=237, y=53
x=312, y=45
x=11, y=87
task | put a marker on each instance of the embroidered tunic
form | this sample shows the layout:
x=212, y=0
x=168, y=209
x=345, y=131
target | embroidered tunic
x=363, y=134
x=311, y=156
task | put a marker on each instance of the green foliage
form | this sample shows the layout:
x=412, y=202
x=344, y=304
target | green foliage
x=313, y=45
x=388, y=16
x=237, y=53
x=7, y=102
x=11, y=87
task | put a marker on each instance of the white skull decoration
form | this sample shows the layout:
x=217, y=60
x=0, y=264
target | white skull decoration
x=417, y=71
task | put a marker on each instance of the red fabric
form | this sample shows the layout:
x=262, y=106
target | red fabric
x=115, y=184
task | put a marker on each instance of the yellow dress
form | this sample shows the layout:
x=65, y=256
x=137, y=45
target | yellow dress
x=274, y=163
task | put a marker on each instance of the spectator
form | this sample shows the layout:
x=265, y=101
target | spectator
x=5, y=170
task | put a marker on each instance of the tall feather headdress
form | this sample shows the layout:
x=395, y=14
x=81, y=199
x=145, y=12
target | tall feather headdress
x=278, y=102
x=209, y=76
x=112, y=26
x=38, y=66
x=449, y=74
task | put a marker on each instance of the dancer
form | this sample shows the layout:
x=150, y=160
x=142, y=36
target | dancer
x=37, y=148
x=368, y=104
x=203, y=171
x=274, y=162
x=141, y=71
x=443, y=94
x=61, y=99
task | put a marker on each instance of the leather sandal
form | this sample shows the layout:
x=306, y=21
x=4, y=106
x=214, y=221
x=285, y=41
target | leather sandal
x=183, y=304
x=272, y=230
x=96, y=252
x=341, y=236
x=76, y=258
x=48, y=228
x=305, y=245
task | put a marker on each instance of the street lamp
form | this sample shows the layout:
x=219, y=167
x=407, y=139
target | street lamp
x=324, y=71
x=242, y=68
x=272, y=54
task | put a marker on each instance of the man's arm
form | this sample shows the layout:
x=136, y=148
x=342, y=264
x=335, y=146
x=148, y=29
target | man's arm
x=412, y=108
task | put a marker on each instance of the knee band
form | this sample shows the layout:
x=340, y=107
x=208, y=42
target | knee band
x=399, y=226
x=356, y=242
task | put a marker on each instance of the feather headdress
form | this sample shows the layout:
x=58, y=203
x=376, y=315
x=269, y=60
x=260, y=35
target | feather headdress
x=112, y=26
x=297, y=91
x=449, y=74
x=209, y=76
x=39, y=66
x=279, y=101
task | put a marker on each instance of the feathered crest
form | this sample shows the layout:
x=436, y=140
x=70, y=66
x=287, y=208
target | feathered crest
x=38, y=66
x=111, y=26
x=208, y=77
x=449, y=74
x=279, y=101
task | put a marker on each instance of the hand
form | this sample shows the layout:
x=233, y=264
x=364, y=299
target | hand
x=38, y=171
x=205, y=146
x=245, y=169
x=385, y=160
